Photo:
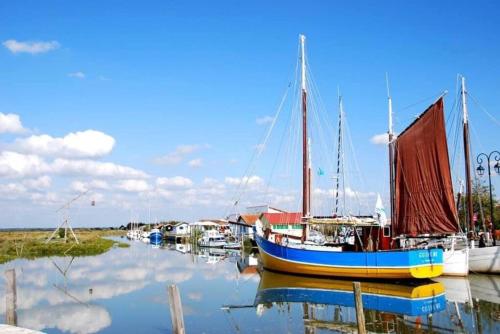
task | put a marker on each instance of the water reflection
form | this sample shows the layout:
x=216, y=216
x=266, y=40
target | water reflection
x=124, y=291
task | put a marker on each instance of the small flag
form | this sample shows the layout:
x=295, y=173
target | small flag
x=380, y=211
x=320, y=172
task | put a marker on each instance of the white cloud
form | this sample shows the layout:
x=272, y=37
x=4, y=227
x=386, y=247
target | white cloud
x=253, y=180
x=178, y=155
x=95, y=168
x=13, y=164
x=12, y=190
x=380, y=139
x=264, y=120
x=42, y=182
x=78, y=75
x=81, y=186
x=174, y=182
x=81, y=144
x=195, y=163
x=133, y=185
x=10, y=123
x=32, y=47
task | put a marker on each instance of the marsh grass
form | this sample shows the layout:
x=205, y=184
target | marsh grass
x=32, y=244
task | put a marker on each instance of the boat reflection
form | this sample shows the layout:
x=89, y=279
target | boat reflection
x=412, y=300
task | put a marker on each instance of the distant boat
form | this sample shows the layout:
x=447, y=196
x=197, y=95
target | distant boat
x=341, y=261
x=212, y=238
x=155, y=236
x=411, y=300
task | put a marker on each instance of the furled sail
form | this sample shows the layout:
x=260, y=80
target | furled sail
x=424, y=202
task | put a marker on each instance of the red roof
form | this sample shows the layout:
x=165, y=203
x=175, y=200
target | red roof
x=249, y=219
x=283, y=217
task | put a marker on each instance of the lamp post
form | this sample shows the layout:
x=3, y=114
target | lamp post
x=480, y=171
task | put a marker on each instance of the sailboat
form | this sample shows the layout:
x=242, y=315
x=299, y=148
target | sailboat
x=422, y=200
x=362, y=262
x=481, y=260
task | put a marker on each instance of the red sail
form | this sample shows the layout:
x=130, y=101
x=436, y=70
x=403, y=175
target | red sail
x=424, y=202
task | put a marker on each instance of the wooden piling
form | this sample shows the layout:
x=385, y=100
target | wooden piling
x=360, y=315
x=10, y=297
x=176, y=314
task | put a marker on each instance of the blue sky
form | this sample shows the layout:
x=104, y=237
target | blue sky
x=188, y=80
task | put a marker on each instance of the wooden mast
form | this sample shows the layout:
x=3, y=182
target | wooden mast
x=306, y=184
x=468, y=180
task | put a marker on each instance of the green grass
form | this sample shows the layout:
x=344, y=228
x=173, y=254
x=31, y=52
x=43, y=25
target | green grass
x=32, y=244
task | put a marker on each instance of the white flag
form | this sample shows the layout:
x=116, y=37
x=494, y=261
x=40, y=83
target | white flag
x=380, y=211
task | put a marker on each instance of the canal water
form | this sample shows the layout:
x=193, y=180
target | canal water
x=125, y=291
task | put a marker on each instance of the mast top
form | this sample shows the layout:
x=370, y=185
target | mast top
x=464, y=101
x=303, y=61
x=391, y=129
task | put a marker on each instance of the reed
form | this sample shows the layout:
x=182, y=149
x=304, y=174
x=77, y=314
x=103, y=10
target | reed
x=32, y=244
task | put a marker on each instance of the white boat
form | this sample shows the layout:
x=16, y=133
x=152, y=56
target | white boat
x=212, y=238
x=485, y=260
x=456, y=262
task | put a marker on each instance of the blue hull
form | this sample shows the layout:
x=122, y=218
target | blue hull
x=394, y=264
x=156, y=238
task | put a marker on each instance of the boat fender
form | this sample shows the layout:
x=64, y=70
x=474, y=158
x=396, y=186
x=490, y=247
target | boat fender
x=278, y=238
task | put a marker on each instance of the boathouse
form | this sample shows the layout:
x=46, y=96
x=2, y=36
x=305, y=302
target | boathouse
x=286, y=223
x=243, y=227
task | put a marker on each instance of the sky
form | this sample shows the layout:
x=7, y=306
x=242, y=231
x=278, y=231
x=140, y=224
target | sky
x=158, y=107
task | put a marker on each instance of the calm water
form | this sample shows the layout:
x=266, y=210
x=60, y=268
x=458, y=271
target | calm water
x=125, y=291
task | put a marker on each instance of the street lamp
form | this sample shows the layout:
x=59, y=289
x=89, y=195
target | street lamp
x=480, y=171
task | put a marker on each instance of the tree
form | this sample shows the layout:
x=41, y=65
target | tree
x=480, y=199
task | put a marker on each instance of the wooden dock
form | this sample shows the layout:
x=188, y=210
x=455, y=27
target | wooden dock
x=7, y=329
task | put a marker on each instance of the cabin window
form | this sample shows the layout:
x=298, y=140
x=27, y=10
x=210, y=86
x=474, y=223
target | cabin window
x=281, y=227
x=387, y=231
x=211, y=239
x=297, y=226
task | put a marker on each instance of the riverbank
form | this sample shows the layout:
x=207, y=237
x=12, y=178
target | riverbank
x=32, y=244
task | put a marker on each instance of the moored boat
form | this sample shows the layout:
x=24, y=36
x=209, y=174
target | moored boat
x=364, y=261
x=212, y=238
x=155, y=236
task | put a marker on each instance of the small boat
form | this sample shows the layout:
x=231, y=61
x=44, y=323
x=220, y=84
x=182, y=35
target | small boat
x=410, y=300
x=212, y=238
x=232, y=245
x=155, y=236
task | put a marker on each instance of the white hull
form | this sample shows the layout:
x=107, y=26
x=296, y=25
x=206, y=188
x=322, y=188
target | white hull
x=485, y=260
x=215, y=244
x=456, y=262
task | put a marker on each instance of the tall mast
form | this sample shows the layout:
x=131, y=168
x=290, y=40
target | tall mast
x=306, y=184
x=468, y=181
x=391, y=150
x=340, y=158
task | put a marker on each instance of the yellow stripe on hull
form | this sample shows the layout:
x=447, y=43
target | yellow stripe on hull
x=274, y=263
x=273, y=280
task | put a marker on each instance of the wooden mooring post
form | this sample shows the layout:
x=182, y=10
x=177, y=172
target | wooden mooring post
x=360, y=315
x=10, y=297
x=174, y=299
